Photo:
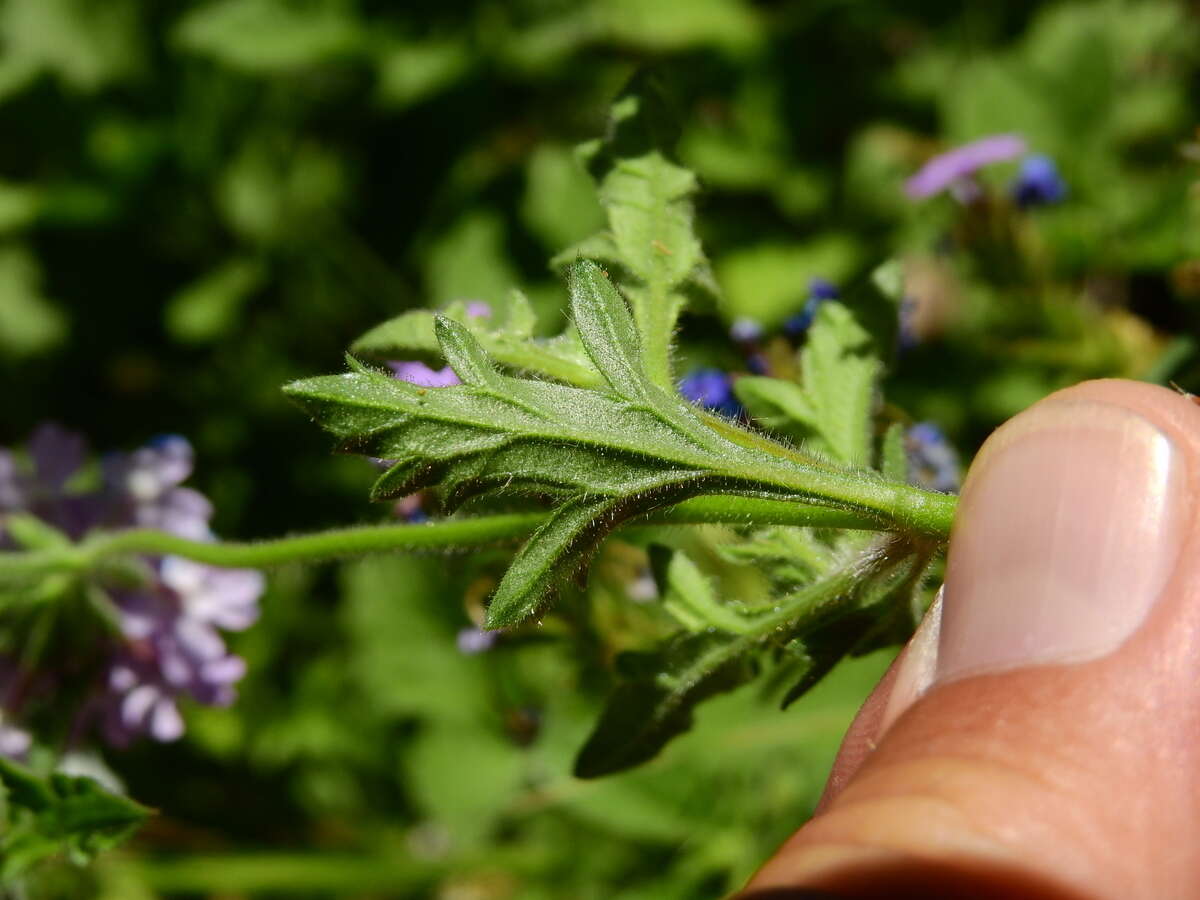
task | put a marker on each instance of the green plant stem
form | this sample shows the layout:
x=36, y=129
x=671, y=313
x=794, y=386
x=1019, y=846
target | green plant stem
x=322, y=545
x=755, y=511
x=448, y=534
x=433, y=535
x=305, y=873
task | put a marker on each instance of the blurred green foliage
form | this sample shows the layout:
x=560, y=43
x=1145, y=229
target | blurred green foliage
x=200, y=201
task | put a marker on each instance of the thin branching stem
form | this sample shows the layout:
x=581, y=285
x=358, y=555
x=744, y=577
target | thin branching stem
x=445, y=534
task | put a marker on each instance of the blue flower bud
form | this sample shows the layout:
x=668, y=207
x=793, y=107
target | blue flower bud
x=822, y=289
x=1038, y=183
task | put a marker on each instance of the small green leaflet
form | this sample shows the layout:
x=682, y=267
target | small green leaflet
x=57, y=814
x=833, y=404
x=650, y=245
x=643, y=714
x=510, y=342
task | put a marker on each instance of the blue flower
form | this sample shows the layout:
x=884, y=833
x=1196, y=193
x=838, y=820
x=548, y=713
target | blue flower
x=758, y=364
x=1038, y=183
x=712, y=389
x=906, y=324
x=819, y=290
x=932, y=460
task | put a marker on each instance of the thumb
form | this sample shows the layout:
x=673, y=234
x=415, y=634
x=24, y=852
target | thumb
x=1040, y=735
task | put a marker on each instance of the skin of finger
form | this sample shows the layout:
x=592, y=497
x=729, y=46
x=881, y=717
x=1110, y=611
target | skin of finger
x=1086, y=775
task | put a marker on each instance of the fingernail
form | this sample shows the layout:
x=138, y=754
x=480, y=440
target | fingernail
x=1068, y=529
x=917, y=668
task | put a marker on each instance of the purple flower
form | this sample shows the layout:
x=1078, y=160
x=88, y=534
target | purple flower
x=471, y=641
x=149, y=479
x=477, y=309
x=411, y=509
x=11, y=495
x=38, y=484
x=57, y=454
x=932, y=460
x=173, y=649
x=420, y=374
x=1038, y=183
x=14, y=742
x=140, y=706
x=955, y=166
x=170, y=645
x=712, y=389
x=745, y=330
x=225, y=598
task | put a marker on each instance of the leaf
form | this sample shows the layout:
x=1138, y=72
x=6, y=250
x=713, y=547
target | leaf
x=600, y=457
x=32, y=533
x=647, y=199
x=792, y=556
x=777, y=404
x=59, y=814
x=880, y=616
x=539, y=437
x=559, y=204
x=267, y=36
x=607, y=330
x=839, y=371
x=767, y=281
x=876, y=304
x=691, y=599
x=410, y=72
x=510, y=343
x=465, y=356
x=546, y=559
x=642, y=716
x=834, y=402
x=655, y=703
x=209, y=308
x=30, y=324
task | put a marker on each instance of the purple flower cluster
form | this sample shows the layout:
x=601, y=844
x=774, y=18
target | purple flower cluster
x=169, y=644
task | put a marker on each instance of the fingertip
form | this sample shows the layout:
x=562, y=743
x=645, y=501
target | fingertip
x=1051, y=732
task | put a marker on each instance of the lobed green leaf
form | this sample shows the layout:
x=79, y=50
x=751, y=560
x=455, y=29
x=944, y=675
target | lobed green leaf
x=46, y=816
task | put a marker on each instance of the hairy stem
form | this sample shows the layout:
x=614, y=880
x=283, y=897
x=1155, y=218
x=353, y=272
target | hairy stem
x=448, y=534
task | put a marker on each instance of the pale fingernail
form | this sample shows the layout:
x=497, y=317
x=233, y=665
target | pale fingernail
x=1068, y=529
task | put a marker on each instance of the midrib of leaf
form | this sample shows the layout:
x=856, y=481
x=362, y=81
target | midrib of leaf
x=720, y=458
